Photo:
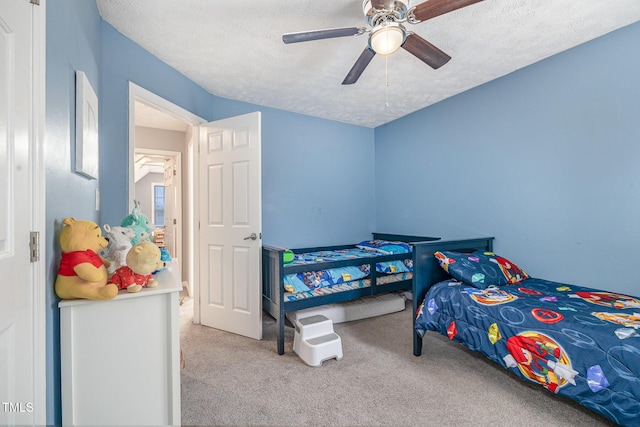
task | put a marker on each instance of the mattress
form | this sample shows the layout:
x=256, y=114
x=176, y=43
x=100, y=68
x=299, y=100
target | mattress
x=355, y=284
x=348, y=311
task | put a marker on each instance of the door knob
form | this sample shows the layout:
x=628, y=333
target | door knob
x=251, y=237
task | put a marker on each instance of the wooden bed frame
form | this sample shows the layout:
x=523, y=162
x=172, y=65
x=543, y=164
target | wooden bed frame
x=427, y=272
x=274, y=270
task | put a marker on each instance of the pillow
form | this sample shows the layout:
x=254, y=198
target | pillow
x=385, y=247
x=480, y=269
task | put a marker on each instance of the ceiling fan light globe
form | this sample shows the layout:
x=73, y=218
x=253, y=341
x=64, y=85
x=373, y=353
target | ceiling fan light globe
x=387, y=38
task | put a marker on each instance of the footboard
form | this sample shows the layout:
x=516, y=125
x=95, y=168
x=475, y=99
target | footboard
x=272, y=289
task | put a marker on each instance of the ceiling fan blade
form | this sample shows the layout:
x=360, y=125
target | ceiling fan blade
x=363, y=60
x=425, y=51
x=432, y=8
x=305, y=36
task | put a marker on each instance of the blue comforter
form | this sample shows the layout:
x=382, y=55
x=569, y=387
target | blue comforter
x=578, y=342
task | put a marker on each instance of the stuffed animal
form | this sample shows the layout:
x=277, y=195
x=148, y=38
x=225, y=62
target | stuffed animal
x=139, y=234
x=119, y=244
x=139, y=223
x=165, y=257
x=82, y=272
x=142, y=259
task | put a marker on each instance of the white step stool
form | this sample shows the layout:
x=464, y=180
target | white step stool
x=314, y=340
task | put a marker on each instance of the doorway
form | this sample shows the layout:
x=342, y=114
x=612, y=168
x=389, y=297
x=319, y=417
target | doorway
x=158, y=187
x=162, y=137
x=223, y=160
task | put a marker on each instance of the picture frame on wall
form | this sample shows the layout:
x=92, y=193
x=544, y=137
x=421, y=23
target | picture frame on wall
x=87, y=155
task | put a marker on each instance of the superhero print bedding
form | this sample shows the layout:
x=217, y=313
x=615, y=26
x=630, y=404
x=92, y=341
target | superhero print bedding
x=575, y=341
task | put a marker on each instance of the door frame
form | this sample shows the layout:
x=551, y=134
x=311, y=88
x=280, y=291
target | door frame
x=138, y=93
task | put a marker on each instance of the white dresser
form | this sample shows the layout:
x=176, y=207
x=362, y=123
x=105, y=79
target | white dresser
x=121, y=358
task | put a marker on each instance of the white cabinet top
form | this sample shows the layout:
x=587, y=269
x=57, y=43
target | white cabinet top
x=169, y=280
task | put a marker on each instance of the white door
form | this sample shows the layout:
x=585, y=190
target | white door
x=230, y=221
x=169, y=206
x=19, y=393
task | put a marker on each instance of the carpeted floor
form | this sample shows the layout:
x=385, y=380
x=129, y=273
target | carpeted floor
x=233, y=380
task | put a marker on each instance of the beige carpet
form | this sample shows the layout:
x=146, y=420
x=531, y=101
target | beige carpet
x=233, y=380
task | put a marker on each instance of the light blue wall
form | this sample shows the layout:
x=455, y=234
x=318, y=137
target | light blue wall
x=545, y=159
x=328, y=200
x=73, y=43
x=124, y=61
x=317, y=181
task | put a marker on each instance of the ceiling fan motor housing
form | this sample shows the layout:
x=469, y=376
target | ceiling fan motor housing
x=393, y=11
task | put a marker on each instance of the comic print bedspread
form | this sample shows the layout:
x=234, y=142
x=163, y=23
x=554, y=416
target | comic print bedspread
x=575, y=341
x=310, y=280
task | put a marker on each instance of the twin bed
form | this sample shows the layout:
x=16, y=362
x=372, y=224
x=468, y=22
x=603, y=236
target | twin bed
x=332, y=274
x=575, y=341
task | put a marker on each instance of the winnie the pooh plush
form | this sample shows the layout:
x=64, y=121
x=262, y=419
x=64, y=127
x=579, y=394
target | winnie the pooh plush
x=142, y=259
x=82, y=272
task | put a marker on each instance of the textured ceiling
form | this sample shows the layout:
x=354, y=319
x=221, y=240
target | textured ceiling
x=234, y=49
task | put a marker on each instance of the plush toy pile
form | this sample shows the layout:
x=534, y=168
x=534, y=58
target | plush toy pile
x=134, y=228
x=94, y=266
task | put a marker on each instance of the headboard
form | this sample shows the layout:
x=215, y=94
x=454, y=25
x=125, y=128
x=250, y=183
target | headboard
x=427, y=271
x=403, y=237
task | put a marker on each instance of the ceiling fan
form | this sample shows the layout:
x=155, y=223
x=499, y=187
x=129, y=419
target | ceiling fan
x=387, y=33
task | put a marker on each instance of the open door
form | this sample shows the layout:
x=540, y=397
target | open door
x=230, y=222
x=22, y=290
